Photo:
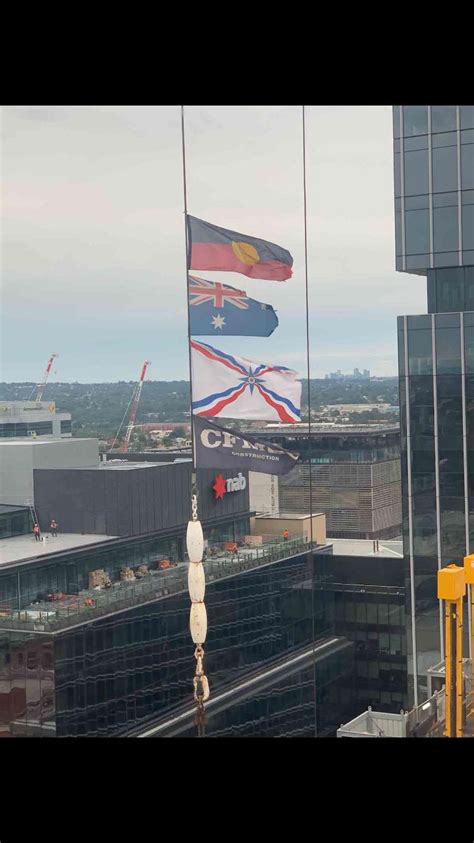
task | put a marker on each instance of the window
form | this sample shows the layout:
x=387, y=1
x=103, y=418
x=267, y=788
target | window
x=449, y=289
x=397, y=174
x=423, y=484
x=446, y=229
x=443, y=118
x=451, y=485
x=467, y=167
x=414, y=203
x=467, y=116
x=417, y=232
x=415, y=120
x=422, y=420
x=441, y=200
x=416, y=172
x=448, y=350
x=468, y=227
x=396, y=645
x=446, y=258
x=420, y=353
x=383, y=614
x=398, y=234
x=384, y=643
x=421, y=389
x=66, y=426
x=371, y=613
x=445, y=139
x=361, y=613
x=449, y=421
x=469, y=348
x=401, y=354
x=415, y=262
x=410, y=144
x=445, y=169
x=396, y=121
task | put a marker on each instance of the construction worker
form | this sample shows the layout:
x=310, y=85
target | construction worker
x=286, y=535
x=54, y=528
x=37, y=534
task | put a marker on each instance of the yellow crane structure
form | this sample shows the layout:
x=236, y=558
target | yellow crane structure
x=451, y=589
x=469, y=575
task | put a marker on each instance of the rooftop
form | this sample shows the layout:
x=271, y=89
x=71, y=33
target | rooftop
x=288, y=516
x=375, y=724
x=80, y=606
x=366, y=547
x=21, y=548
x=328, y=429
x=120, y=465
x=44, y=440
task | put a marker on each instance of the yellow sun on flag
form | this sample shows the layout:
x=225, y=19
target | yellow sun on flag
x=245, y=252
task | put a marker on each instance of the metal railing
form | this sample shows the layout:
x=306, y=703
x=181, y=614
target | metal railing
x=90, y=604
x=427, y=720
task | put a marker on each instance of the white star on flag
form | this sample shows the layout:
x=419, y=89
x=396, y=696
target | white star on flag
x=218, y=321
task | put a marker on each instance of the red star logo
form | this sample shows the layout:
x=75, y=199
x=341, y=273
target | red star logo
x=219, y=487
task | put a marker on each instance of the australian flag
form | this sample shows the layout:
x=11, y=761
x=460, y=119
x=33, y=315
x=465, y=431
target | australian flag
x=217, y=309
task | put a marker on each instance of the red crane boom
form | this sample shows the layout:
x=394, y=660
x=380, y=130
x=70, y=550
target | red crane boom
x=134, y=407
x=42, y=385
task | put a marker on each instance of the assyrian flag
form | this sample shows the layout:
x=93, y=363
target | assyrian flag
x=228, y=386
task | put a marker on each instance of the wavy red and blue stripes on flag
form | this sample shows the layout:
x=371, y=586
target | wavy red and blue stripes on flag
x=228, y=386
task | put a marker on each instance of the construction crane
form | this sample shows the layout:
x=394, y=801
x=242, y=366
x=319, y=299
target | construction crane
x=133, y=407
x=41, y=386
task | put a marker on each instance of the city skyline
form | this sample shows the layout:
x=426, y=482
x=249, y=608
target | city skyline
x=93, y=237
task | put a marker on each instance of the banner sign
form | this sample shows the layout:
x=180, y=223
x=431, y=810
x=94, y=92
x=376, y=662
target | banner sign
x=217, y=447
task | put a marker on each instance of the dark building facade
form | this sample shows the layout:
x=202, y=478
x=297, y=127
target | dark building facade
x=128, y=499
x=14, y=521
x=355, y=478
x=303, y=696
x=369, y=610
x=300, y=648
x=77, y=676
x=434, y=224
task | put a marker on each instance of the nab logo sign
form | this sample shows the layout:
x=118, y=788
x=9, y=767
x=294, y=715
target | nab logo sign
x=232, y=484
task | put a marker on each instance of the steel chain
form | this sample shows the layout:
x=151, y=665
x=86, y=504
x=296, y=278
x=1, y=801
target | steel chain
x=200, y=681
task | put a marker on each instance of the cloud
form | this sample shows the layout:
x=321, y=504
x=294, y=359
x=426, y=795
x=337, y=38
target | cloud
x=93, y=235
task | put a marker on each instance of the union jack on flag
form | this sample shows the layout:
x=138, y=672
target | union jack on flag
x=216, y=308
x=228, y=386
x=202, y=291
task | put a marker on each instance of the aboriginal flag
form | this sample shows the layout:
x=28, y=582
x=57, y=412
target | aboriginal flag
x=214, y=248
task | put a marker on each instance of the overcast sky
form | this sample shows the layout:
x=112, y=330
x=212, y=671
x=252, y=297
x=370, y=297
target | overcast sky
x=93, y=259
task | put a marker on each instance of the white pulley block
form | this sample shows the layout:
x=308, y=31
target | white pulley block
x=195, y=541
x=196, y=582
x=198, y=623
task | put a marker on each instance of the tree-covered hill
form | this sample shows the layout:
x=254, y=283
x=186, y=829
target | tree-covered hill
x=98, y=408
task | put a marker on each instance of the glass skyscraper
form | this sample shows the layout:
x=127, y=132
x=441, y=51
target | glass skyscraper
x=434, y=233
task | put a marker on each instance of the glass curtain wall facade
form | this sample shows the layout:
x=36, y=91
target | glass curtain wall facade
x=434, y=186
x=106, y=677
x=281, y=703
x=434, y=228
x=27, y=586
x=14, y=521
